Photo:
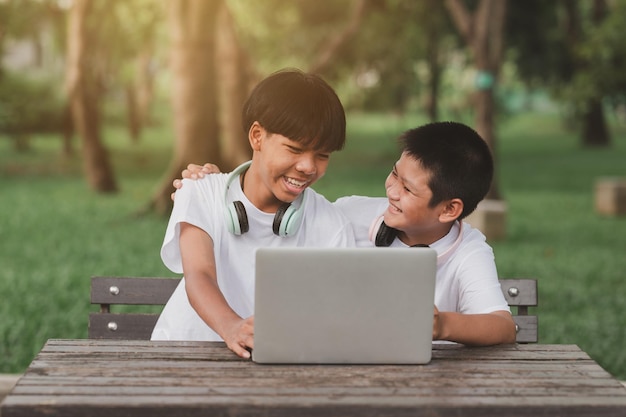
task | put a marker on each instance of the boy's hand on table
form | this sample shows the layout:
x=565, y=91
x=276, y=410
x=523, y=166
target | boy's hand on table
x=239, y=337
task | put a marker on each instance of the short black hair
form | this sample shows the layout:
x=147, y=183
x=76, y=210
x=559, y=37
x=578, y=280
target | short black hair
x=458, y=159
x=299, y=106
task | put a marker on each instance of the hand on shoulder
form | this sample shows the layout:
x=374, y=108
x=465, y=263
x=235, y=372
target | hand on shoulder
x=193, y=172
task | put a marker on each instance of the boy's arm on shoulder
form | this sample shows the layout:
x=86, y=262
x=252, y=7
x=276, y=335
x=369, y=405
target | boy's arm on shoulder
x=474, y=329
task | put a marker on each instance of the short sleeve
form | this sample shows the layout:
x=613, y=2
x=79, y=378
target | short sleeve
x=198, y=202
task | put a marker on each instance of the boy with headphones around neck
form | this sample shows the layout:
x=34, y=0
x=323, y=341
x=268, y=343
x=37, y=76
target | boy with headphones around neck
x=294, y=122
x=444, y=171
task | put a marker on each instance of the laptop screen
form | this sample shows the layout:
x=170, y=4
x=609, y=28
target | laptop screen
x=347, y=305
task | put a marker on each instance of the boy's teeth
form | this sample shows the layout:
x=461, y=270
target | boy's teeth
x=296, y=183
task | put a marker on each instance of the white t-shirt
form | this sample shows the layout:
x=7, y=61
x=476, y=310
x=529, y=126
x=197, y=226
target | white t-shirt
x=202, y=204
x=467, y=279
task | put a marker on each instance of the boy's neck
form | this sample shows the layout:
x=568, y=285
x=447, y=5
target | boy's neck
x=425, y=239
x=242, y=179
x=266, y=204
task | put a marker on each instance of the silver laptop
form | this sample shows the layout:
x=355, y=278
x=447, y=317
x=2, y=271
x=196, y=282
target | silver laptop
x=349, y=305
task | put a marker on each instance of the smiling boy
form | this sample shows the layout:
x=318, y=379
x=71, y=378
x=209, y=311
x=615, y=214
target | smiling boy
x=444, y=171
x=294, y=121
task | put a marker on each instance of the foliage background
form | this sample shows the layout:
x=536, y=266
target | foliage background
x=55, y=232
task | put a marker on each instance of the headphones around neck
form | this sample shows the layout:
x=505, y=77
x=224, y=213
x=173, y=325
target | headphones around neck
x=287, y=219
x=382, y=235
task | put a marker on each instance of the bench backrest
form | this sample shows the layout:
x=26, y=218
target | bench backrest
x=108, y=291
x=521, y=293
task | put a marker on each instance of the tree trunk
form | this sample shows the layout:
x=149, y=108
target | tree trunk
x=68, y=131
x=236, y=81
x=595, y=131
x=139, y=95
x=484, y=35
x=485, y=127
x=434, y=70
x=194, y=91
x=145, y=86
x=84, y=100
x=132, y=113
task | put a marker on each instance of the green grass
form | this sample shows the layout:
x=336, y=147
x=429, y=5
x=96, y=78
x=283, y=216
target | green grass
x=55, y=233
x=554, y=234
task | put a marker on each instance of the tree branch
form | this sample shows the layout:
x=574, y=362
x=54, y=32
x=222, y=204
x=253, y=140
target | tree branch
x=334, y=44
x=497, y=30
x=461, y=18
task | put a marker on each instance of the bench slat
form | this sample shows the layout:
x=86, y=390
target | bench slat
x=138, y=291
x=520, y=293
x=526, y=290
x=128, y=326
x=528, y=329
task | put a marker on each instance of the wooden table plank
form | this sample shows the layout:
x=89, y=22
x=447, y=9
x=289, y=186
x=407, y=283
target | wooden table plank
x=554, y=390
x=308, y=406
x=91, y=377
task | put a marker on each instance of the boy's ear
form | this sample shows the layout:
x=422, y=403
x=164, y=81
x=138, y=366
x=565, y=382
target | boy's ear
x=255, y=135
x=451, y=210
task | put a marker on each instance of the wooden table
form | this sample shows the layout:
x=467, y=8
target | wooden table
x=140, y=378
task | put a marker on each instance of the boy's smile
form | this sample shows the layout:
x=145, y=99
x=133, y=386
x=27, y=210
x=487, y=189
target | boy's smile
x=283, y=169
x=409, y=197
x=295, y=184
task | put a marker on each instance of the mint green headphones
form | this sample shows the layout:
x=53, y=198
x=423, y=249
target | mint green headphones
x=287, y=219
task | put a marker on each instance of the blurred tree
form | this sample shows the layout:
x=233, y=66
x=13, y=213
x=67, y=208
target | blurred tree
x=334, y=44
x=23, y=112
x=604, y=51
x=399, y=55
x=110, y=48
x=575, y=50
x=213, y=73
x=237, y=76
x=210, y=76
x=16, y=21
x=483, y=31
x=298, y=33
x=22, y=109
x=435, y=27
x=132, y=28
x=348, y=42
x=84, y=93
x=589, y=105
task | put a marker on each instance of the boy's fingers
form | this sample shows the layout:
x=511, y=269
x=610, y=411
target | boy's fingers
x=194, y=171
x=210, y=169
x=188, y=173
x=241, y=351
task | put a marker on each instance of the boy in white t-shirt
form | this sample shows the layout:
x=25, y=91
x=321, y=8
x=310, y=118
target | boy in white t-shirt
x=444, y=171
x=294, y=122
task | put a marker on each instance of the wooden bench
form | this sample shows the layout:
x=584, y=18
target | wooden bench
x=108, y=291
x=522, y=294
